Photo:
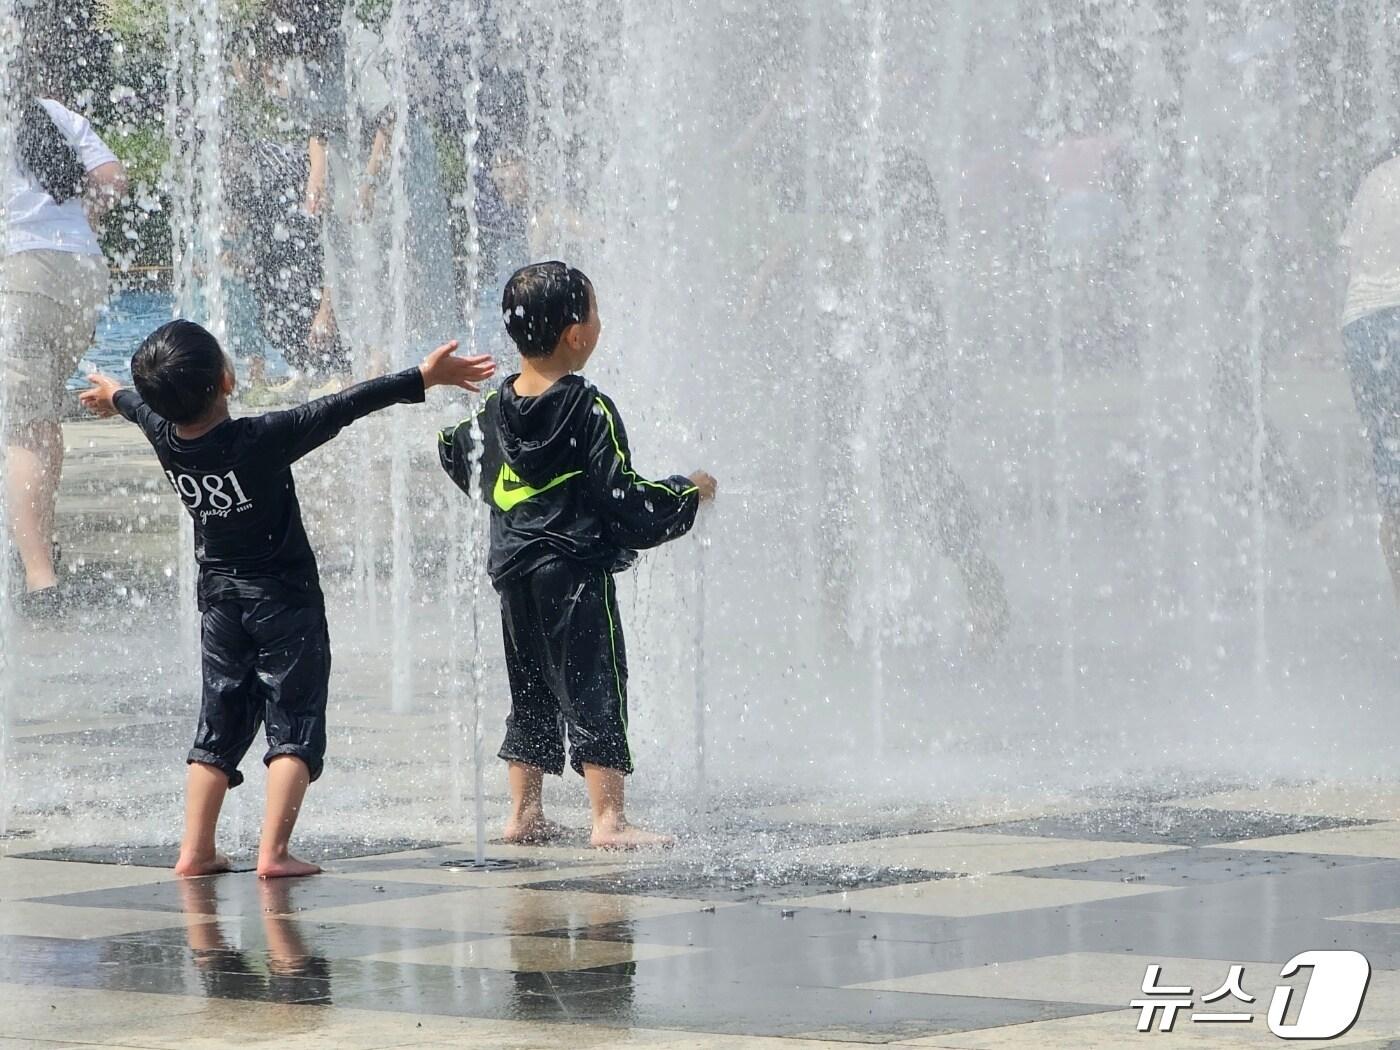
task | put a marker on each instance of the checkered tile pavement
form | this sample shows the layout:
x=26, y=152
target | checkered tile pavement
x=1031, y=932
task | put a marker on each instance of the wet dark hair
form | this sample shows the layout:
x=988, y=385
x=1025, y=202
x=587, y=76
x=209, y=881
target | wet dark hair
x=47, y=154
x=540, y=301
x=178, y=369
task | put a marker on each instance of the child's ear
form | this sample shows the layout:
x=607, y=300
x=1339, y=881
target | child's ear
x=230, y=381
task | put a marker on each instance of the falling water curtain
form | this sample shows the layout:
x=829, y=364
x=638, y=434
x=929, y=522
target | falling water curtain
x=196, y=86
x=9, y=47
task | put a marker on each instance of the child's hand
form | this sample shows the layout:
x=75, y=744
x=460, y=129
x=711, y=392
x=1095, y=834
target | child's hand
x=98, y=398
x=444, y=368
x=321, y=336
x=705, y=483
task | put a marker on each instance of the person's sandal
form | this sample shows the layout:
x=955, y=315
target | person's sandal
x=43, y=604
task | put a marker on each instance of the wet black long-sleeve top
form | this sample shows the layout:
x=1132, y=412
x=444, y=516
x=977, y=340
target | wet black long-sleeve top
x=556, y=471
x=236, y=482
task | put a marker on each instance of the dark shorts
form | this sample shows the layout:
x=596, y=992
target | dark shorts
x=568, y=669
x=1373, y=362
x=265, y=663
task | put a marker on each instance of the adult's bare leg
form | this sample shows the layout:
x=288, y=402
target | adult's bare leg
x=33, y=468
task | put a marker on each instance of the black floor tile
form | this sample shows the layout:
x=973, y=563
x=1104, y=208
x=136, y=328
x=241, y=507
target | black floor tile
x=759, y=836
x=742, y=882
x=435, y=857
x=447, y=992
x=265, y=935
x=257, y=983
x=1168, y=825
x=245, y=894
x=1205, y=864
x=1155, y=790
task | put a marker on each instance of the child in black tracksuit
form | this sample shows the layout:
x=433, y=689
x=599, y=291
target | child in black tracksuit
x=567, y=512
x=265, y=648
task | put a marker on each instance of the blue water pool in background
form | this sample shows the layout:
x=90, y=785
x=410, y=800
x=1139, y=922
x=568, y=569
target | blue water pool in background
x=132, y=314
x=129, y=318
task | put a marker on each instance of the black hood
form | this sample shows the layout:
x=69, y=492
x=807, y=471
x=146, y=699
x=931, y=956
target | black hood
x=540, y=435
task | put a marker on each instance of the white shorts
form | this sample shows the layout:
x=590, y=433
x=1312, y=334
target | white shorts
x=48, y=314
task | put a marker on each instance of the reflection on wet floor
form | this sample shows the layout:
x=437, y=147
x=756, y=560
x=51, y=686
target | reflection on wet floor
x=286, y=969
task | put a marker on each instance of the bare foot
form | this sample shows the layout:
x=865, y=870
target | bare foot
x=626, y=836
x=191, y=865
x=532, y=830
x=287, y=867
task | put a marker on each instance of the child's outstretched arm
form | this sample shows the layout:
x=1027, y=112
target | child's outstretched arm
x=100, y=397
x=107, y=397
x=640, y=513
x=292, y=434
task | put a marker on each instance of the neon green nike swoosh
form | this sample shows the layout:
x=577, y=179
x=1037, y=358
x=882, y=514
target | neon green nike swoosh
x=510, y=491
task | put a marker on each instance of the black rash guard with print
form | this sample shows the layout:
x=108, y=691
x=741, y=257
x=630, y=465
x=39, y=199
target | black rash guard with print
x=236, y=482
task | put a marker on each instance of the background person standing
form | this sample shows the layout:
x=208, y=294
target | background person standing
x=53, y=280
x=1371, y=334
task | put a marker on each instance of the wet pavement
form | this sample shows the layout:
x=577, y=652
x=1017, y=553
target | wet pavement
x=1027, y=932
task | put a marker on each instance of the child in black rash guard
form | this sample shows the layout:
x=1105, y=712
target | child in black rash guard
x=266, y=651
x=567, y=512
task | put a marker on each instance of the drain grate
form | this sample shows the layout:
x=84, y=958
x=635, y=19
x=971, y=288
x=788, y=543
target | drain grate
x=485, y=864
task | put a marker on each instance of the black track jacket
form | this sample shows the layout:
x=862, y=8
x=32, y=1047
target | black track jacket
x=557, y=474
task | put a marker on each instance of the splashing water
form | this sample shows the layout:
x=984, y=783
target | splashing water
x=1010, y=330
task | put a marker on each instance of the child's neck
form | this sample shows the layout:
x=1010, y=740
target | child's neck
x=538, y=375
x=197, y=429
